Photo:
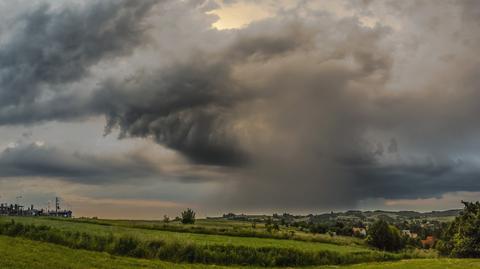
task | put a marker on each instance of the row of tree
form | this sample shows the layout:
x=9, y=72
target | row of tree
x=461, y=239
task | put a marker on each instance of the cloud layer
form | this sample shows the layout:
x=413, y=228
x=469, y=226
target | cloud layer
x=304, y=109
x=43, y=161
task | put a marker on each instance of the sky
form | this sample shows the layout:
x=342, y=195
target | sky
x=139, y=109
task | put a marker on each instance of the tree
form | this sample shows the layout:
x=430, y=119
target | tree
x=462, y=238
x=166, y=219
x=188, y=216
x=275, y=227
x=269, y=225
x=384, y=236
x=318, y=228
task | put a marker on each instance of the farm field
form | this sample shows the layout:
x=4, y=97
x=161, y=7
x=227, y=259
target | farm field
x=187, y=247
x=19, y=253
x=227, y=227
x=188, y=237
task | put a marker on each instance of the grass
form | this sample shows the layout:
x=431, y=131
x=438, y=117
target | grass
x=190, y=247
x=19, y=253
x=204, y=239
x=186, y=251
x=418, y=264
x=227, y=227
x=139, y=240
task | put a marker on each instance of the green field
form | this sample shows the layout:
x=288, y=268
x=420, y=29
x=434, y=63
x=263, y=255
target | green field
x=420, y=264
x=190, y=247
x=189, y=237
x=19, y=253
x=226, y=227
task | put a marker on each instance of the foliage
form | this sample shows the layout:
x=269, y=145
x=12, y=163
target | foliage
x=462, y=239
x=17, y=253
x=184, y=251
x=204, y=232
x=318, y=228
x=385, y=237
x=188, y=216
x=271, y=226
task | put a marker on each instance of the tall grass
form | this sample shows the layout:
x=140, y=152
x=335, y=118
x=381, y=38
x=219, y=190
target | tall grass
x=239, y=232
x=179, y=251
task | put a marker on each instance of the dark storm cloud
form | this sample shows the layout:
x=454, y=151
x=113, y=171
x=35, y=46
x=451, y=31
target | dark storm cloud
x=33, y=160
x=61, y=107
x=424, y=179
x=52, y=47
x=186, y=108
x=192, y=106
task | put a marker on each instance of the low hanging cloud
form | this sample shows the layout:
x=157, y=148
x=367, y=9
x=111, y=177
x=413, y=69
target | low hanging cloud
x=305, y=109
x=43, y=161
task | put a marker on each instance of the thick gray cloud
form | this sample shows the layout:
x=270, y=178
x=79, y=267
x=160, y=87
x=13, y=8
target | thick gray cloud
x=192, y=106
x=186, y=108
x=36, y=160
x=52, y=47
x=303, y=110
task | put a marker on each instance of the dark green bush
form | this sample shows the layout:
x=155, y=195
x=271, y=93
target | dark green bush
x=188, y=216
x=385, y=237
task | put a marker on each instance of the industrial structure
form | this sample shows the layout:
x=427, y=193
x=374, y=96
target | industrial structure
x=20, y=210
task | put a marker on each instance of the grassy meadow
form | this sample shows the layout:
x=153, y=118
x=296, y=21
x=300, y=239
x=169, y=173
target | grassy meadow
x=17, y=253
x=20, y=253
x=204, y=239
x=78, y=240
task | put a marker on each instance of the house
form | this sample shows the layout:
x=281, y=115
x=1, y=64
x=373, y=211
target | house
x=359, y=231
x=406, y=233
x=429, y=242
x=409, y=234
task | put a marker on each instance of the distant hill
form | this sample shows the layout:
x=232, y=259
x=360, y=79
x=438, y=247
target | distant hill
x=390, y=216
x=353, y=215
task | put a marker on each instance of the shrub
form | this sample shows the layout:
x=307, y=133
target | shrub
x=385, y=237
x=188, y=216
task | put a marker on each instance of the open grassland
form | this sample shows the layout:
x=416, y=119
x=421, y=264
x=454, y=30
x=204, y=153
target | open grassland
x=124, y=240
x=204, y=239
x=226, y=227
x=19, y=253
x=189, y=247
x=419, y=264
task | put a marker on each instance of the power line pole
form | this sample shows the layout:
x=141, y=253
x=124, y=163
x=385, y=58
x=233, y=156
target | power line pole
x=57, y=204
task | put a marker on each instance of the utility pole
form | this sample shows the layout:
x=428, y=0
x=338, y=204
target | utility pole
x=57, y=204
x=17, y=206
